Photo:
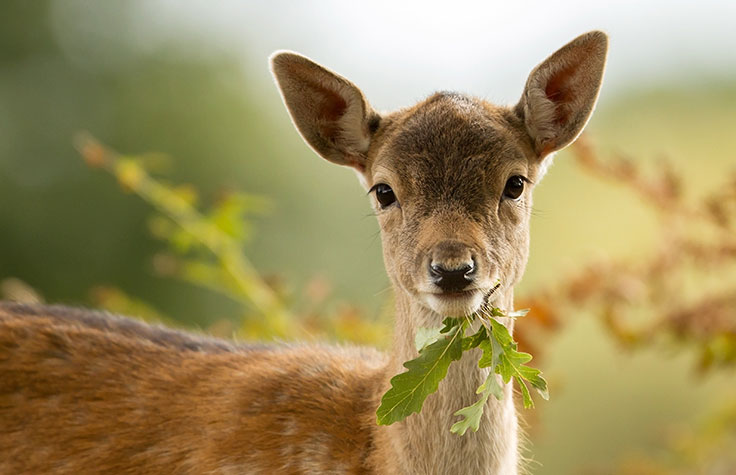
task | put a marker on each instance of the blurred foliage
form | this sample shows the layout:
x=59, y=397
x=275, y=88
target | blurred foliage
x=205, y=249
x=678, y=296
x=66, y=67
x=707, y=449
x=678, y=290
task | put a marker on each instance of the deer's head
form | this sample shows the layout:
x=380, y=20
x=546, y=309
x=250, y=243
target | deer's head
x=451, y=177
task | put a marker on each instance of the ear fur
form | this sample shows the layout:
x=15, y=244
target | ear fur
x=561, y=92
x=329, y=111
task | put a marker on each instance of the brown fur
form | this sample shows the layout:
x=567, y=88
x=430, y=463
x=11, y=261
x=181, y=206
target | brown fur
x=83, y=391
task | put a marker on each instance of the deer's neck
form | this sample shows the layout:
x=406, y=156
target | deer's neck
x=424, y=440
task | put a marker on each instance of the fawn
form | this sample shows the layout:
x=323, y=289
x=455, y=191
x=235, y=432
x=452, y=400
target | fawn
x=451, y=181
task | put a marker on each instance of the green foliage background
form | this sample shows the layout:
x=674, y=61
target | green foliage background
x=66, y=228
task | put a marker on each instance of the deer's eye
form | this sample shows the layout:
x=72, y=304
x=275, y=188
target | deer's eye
x=384, y=194
x=514, y=187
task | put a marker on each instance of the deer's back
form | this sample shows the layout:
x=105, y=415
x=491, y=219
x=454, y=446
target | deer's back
x=83, y=391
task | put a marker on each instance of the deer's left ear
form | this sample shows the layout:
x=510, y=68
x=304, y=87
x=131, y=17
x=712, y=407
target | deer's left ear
x=561, y=92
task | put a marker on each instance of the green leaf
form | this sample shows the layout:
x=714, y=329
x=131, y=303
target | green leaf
x=501, y=334
x=534, y=377
x=512, y=364
x=492, y=386
x=425, y=337
x=490, y=358
x=525, y=396
x=450, y=323
x=491, y=353
x=501, y=355
x=518, y=313
x=471, y=416
x=410, y=389
x=475, y=340
x=438, y=348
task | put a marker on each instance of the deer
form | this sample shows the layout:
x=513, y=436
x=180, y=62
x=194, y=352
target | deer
x=450, y=180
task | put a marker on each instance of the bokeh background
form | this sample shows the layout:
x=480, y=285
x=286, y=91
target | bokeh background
x=182, y=90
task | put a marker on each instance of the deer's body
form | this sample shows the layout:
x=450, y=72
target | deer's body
x=82, y=391
x=92, y=391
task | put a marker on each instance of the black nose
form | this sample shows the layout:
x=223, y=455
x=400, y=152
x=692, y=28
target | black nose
x=452, y=280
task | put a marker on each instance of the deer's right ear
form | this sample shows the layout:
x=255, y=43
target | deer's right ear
x=329, y=111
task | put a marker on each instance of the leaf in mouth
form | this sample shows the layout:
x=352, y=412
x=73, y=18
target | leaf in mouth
x=438, y=348
x=410, y=389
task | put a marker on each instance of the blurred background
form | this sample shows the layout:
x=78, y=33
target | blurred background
x=187, y=158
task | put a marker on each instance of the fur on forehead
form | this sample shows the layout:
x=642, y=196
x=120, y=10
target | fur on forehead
x=447, y=129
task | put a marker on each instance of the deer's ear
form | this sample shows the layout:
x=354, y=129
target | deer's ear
x=329, y=111
x=561, y=92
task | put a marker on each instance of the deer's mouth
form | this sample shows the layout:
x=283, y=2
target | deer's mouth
x=455, y=304
x=460, y=294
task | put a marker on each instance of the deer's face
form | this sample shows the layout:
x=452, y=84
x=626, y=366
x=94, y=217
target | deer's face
x=451, y=177
x=450, y=181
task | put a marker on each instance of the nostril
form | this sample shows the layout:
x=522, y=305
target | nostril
x=469, y=269
x=452, y=280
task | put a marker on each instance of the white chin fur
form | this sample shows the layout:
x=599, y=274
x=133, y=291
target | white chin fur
x=454, y=306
